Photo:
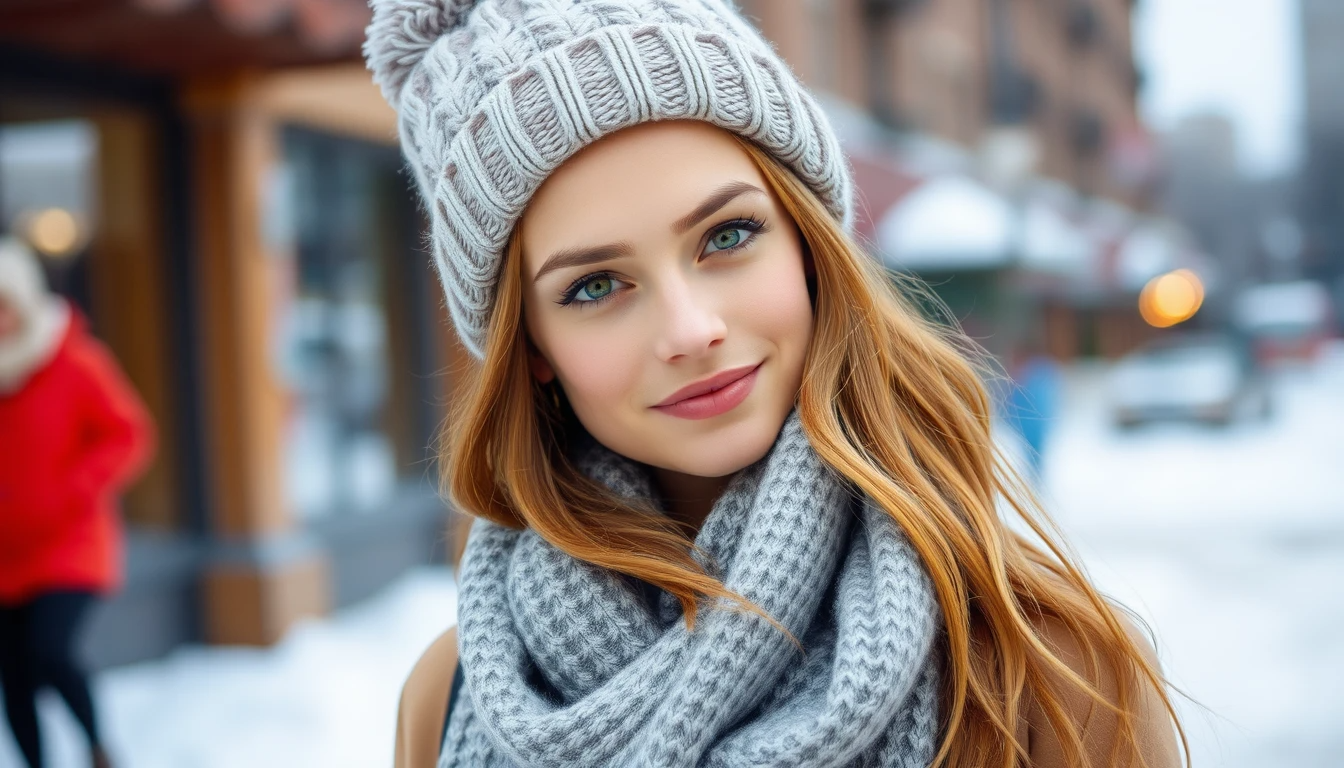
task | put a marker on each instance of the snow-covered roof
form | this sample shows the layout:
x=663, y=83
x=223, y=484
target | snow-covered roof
x=1051, y=242
x=1148, y=251
x=956, y=223
x=947, y=223
x=1299, y=303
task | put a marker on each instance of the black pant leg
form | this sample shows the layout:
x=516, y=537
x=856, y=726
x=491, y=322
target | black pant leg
x=55, y=620
x=18, y=679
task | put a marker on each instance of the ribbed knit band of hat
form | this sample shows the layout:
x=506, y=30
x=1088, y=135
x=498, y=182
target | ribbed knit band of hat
x=493, y=96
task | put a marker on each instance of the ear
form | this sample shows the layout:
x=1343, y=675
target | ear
x=539, y=365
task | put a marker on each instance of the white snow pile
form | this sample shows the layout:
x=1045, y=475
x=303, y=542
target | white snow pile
x=325, y=696
x=1230, y=543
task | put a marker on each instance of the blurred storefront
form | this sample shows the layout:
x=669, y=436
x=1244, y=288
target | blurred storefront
x=1031, y=263
x=217, y=184
x=984, y=135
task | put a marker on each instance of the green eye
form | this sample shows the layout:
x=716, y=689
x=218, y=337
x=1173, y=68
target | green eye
x=590, y=290
x=596, y=288
x=726, y=239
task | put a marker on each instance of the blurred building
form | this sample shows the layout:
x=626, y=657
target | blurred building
x=1014, y=127
x=217, y=184
x=1322, y=183
x=1204, y=187
x=955, y=69
x=1245, y=224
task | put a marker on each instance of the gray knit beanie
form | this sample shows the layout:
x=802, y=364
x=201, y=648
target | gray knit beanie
x=493, y=95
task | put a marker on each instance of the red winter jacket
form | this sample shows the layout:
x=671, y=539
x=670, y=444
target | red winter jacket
x=70, y=439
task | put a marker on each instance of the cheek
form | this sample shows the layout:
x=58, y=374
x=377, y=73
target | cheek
x=773, y=303
x=597, y=367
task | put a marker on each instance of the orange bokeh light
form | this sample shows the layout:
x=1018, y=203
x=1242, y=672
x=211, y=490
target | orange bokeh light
x=54, y=232
x=1171, y=298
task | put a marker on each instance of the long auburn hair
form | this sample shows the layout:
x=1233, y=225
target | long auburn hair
x=894, y=402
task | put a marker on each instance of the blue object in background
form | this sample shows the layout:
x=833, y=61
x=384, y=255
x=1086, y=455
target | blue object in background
x=1031, y=405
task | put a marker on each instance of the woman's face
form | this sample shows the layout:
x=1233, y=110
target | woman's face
x=10, y=319
x=658, y=260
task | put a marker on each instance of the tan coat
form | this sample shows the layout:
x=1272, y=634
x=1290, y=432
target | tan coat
x=424, y=700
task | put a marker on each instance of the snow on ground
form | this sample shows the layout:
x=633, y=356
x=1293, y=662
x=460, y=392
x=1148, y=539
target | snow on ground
x=325, y=696
x=1229, y=542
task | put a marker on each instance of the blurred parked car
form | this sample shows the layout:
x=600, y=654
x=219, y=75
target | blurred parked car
x=1285, y=321
x=1211, y=378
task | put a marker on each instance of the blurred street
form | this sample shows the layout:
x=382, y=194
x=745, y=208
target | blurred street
x=1227, y=540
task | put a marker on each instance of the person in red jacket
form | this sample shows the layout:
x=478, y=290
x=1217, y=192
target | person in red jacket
x=73, y=433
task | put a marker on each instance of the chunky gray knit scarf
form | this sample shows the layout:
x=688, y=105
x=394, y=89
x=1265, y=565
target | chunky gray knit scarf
x=567, y=664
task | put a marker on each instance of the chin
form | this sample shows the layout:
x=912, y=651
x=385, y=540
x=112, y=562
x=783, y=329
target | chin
x=723, y=451
x=710, y=448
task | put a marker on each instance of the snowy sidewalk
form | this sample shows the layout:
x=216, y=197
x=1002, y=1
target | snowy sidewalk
x=1230, y=542
x=325, y=696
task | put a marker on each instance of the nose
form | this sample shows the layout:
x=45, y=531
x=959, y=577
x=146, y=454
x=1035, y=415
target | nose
x=690, y=324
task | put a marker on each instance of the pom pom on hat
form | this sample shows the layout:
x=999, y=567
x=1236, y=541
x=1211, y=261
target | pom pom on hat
x=401, y=32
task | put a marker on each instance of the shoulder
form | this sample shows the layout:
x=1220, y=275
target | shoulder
x=102, y=381
x=424, y=700
x=1152, y=723
x=85, y=353
x=88, y=352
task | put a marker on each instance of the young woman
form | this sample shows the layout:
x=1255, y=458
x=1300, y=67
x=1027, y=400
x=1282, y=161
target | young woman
x=72, y=433
x=737, y=502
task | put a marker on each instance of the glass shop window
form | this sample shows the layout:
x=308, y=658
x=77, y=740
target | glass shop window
x=347, y=225
x=47, y=184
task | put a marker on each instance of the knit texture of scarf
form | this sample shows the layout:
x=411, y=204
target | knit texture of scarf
x=568, y=664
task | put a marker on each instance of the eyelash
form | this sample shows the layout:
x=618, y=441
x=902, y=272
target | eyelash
x=751, y=224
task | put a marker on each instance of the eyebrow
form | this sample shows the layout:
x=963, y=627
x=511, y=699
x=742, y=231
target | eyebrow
x=580, y=257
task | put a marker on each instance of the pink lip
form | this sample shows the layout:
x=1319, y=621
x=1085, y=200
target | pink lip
x=718, y=394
